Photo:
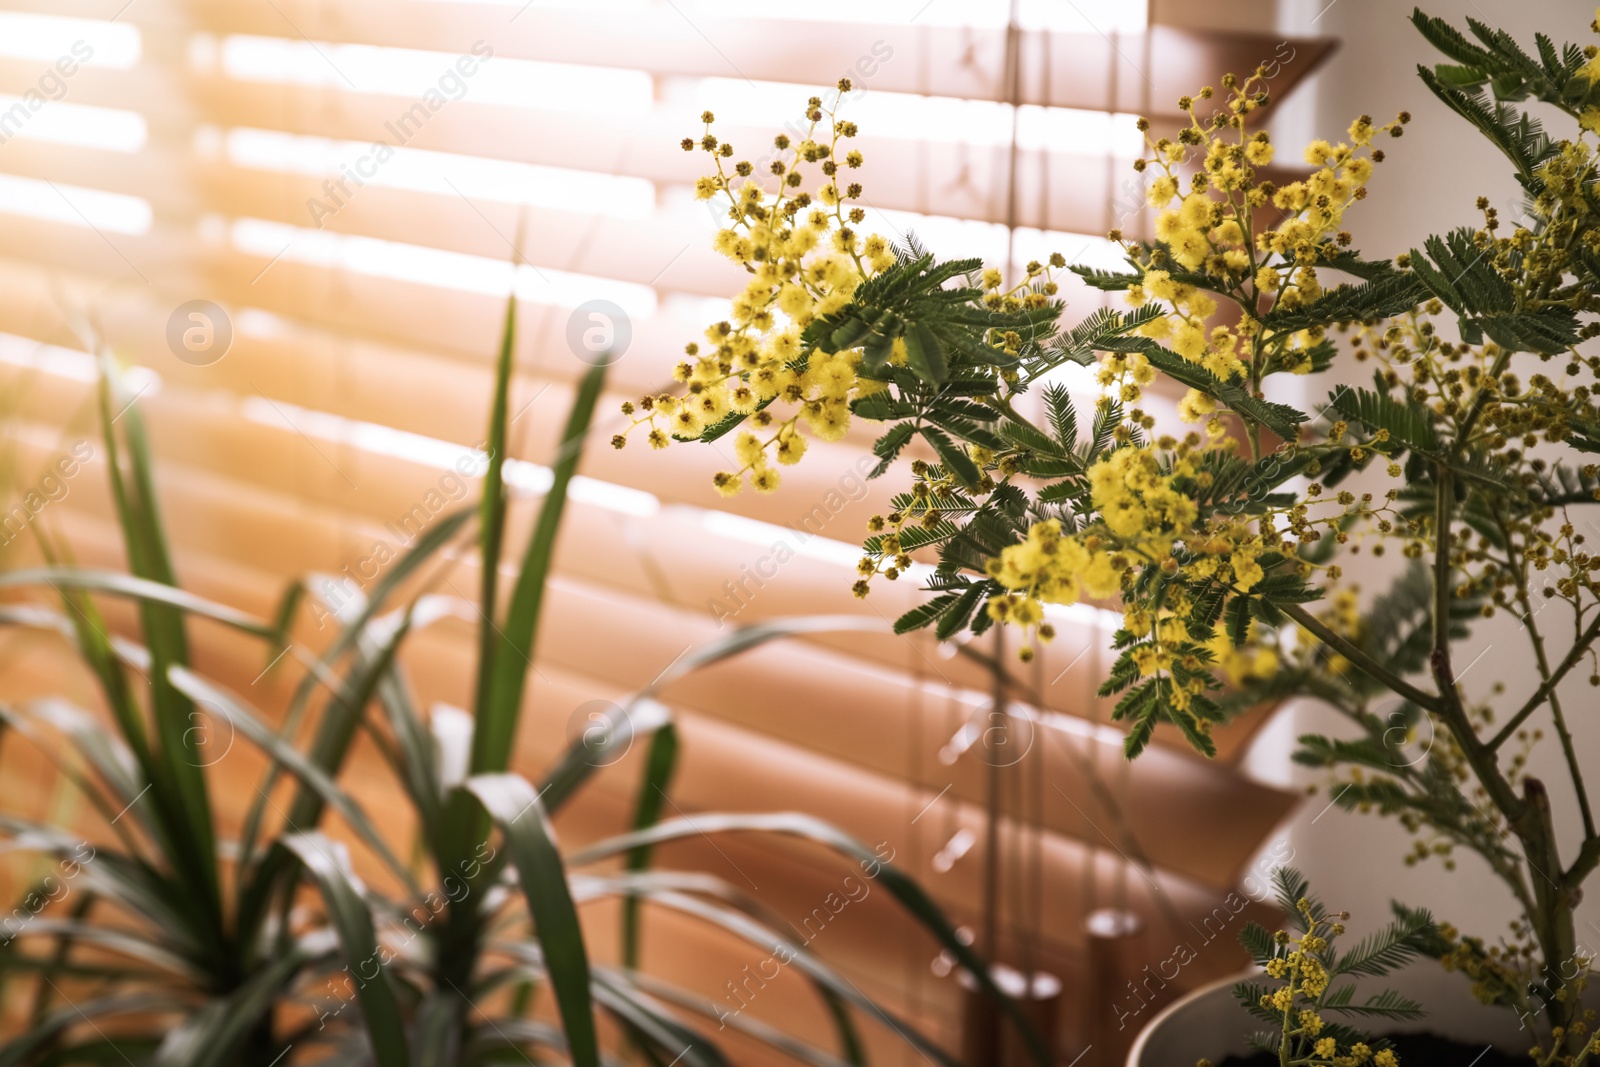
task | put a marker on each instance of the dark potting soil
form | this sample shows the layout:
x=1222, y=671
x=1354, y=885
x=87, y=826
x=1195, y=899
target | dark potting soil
x=1415, y=1050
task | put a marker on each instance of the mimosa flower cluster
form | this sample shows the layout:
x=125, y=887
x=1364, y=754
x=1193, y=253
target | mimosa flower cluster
x=1304, y=971
x=1223, y=533
x=805, y=255
x=797, y=233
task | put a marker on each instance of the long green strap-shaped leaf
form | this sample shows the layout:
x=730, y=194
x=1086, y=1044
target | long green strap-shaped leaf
x=641, y=718
x=656, y=1027
x=161, y=965
x=86, y=627
x=215, y=1035
x=762, y=927
x=116, y=770
x=341, y=718
x=512, y=803
x=661, y=1038
x=508, y=648
x=101, y=749
x=179, y=785
x=283, y=620
x=462, y=827
x=352, y=920
x=437, y=1037
x=167, y=825
x=419, y=763
x=837, y=992
x=746, y=638
x=903, y=888
x=142, y=590
x=258, y=894
x=423, y=549
x=249, y=725
x=660, y=763
x=25, y=1047
x=492, y=504
x=749, y=1025
x=133, y=885
x=495, y=1039
x=498, y=708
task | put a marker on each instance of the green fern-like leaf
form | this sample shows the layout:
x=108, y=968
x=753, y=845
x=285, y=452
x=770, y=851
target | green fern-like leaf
x=1330, y=255
x=888, y=447
x=1291, y=887
x=1518, y=135
x=1388, y=293
x=1249, y=995
x=1281, y=419
x=925, y=613
x=1111, y=281
x=914, y=537
x=1406, y=425
x=1063, y=416
x=1397, y=944
x=1096, y=333
x=1259, y=942
x=1385, y=1005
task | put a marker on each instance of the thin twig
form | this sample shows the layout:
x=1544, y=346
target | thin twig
x=1364, y=662
x=1574, y=657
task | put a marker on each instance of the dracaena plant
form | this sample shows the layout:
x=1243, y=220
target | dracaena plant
x=172, y=942
x=1227, y=542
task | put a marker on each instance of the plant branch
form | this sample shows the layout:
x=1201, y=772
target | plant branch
x=1451, y=710
x=1439, y=660
x=1584, y=863
x=1574, y=657
x=1525, y=599
x=1346, y=648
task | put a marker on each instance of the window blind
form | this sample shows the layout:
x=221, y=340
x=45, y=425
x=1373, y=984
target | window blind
x=351, y=188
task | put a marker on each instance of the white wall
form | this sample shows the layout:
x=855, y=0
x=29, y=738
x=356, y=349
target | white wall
x=1428, y=185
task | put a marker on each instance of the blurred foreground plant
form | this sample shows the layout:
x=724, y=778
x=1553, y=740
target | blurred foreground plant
x=179, y=947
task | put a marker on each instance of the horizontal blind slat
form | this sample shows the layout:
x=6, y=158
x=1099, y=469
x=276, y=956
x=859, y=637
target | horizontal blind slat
x=1086, y=70
x=182, y=184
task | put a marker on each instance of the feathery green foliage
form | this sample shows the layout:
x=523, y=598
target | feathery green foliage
x=1225, y=542
x=1310, y=998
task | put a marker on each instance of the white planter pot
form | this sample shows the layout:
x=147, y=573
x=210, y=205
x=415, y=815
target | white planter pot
x=1210, y=1023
